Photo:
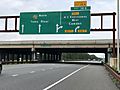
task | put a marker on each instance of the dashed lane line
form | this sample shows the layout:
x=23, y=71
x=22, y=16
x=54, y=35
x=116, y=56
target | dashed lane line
x=32, y=72
x=43, y=69
x=15, y=75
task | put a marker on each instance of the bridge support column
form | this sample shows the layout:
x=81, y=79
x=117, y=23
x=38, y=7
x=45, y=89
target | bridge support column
x=4, y=56
x=54, y=57
x=22, y=57
x=51, y=56
x=106, y=57
x=12, y=57
x=40, y=56
x=48, y=57
x=0, y=56
x=45, y=56
x=18, y=56
x=59, y=57
x=33, y=54
x=30, y=57
x=26, y=57
x=109, y=56
x=7, y=57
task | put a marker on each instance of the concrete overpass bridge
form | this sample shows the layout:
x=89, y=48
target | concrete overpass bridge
x=50, y=50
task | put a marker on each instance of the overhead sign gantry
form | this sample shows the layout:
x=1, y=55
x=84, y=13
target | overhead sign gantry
x=76, y=21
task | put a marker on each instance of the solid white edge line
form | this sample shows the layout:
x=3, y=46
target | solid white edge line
x=52, y=85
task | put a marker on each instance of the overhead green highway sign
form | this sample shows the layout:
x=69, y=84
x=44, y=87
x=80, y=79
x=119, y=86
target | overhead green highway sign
x=83, y=8
x=65, y=22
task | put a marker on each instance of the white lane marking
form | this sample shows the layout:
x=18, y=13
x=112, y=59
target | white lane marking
x=43, y=69
x=47, y=88
x=15, y=75
x=32, y=72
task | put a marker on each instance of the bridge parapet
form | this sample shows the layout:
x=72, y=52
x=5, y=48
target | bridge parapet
x=58, y=44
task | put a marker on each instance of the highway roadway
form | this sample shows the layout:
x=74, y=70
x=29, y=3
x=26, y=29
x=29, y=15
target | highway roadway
x=55, y=77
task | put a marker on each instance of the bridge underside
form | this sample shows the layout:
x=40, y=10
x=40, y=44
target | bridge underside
x=21, y=55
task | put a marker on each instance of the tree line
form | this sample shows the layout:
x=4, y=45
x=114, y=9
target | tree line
x=79, y=56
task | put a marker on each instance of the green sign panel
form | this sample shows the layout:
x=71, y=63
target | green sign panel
x=83, y=8
x=65, y=22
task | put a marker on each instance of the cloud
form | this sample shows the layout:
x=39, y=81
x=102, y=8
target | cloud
x=8, y=7
x=17, y=6
x=103, y=5
x=100, y=55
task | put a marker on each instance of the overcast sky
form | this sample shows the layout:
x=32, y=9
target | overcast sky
x=14, y=7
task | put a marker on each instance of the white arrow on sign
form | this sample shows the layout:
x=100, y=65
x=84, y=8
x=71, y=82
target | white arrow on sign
x=58, y=27
x=77, y=28
x=39, y=28
x=22, y=28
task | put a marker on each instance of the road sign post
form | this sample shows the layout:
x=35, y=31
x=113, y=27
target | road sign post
x=118, y=43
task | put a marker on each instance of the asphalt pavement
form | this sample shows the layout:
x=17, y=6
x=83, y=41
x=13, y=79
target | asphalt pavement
x=55, y=77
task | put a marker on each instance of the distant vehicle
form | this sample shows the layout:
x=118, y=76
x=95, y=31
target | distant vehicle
x=0, y=67
x=88, y=59
x=63, y=60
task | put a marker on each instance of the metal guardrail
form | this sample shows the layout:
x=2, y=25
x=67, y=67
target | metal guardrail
x=113, y=72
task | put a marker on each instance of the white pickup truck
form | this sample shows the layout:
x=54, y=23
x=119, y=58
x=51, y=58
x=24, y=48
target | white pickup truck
x=0, y=67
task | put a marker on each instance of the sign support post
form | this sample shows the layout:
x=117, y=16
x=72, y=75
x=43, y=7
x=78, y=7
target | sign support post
x=118, y=54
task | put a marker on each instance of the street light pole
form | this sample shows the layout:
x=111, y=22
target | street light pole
x=118, y=55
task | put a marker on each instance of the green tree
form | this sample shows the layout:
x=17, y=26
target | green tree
x=78, y=56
